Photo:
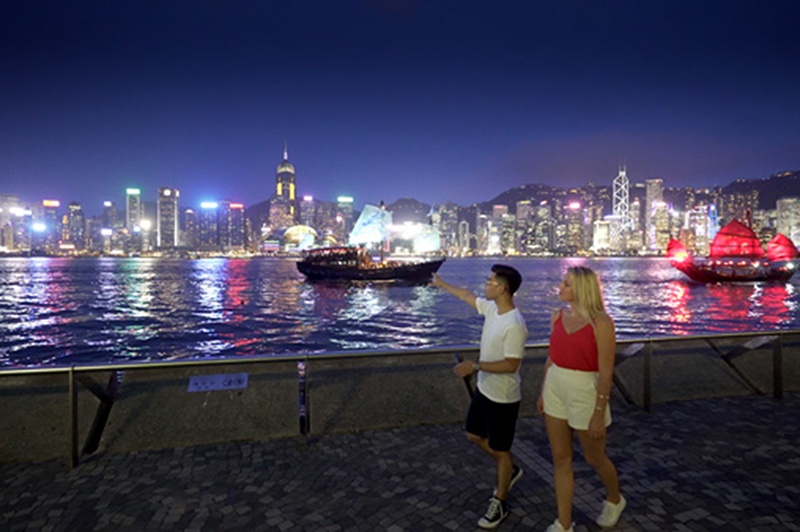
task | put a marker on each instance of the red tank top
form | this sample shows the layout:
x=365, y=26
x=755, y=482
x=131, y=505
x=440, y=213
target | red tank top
x=573, y=351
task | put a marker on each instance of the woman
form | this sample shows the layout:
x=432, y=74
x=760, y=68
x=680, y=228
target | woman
x=577, y=384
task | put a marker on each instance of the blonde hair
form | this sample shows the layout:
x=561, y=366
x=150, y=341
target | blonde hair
x=588, y=296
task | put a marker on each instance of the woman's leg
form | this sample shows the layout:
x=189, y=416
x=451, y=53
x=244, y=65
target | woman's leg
x=594, y=451
x=560, y=436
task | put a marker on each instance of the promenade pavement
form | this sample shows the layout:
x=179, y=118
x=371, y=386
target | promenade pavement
x=712, y=464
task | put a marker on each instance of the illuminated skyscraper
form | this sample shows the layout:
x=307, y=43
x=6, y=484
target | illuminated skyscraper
x=9, y=207
x=661, y=226
x=344, y=209
x=133, y=208
x=74, y=228
x=49, y=229
x=738, y=205
x=449, y=229
x=464, y=237
x=190, y=237
x=237, y=222
x=283, y=207
x=499, y=211
x=544, y=227
x=110, y=218
x=653, y=199
x=308, y=211
x=789, y=218
x=524, y=210
x=208, y=226
x=621, y=201
x=231, y=226
x=167, y=218
x=574, y=218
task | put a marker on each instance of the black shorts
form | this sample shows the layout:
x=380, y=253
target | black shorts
x=496, y=422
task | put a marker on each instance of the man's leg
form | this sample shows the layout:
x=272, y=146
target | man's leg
x=503, y=461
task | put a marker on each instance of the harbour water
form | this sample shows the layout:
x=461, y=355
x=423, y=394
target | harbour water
x=63, y=311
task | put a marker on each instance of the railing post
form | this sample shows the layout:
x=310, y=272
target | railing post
x=777, y=368
x=106, y=398
x=73, y=419
x=305, y=417
x=647, y=387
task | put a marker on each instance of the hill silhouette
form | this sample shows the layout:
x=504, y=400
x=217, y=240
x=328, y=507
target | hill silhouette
x=770, y=190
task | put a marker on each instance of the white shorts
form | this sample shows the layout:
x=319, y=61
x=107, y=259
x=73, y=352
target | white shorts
x=571, y=394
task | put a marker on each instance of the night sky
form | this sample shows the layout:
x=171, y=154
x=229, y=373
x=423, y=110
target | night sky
x=384, y=99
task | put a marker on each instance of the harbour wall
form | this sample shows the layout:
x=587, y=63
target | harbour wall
x=73, y=413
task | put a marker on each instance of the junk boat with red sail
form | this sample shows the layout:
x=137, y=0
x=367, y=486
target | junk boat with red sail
x=736, y=255
x=354, y=262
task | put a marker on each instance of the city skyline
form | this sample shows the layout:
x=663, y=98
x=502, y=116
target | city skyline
x=381, y=100
x=151, y=198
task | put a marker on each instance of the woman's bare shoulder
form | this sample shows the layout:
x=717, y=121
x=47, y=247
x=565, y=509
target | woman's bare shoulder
x=604, y=320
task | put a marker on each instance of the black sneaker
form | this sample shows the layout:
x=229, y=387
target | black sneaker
x=494, y=515
x=516, y=474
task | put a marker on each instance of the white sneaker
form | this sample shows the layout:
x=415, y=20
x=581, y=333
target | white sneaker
x=611, y=512
x=556, y=527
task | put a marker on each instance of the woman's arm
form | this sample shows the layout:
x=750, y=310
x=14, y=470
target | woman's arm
x=606, y=351
x=547, y=364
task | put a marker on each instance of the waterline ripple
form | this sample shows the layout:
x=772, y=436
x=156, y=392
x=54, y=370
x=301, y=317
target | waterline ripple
x=61, y=311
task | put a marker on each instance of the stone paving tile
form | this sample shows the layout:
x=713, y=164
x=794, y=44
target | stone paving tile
x=725, y=464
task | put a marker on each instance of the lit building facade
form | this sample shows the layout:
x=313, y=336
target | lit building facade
x=738, y=206
x=73, y=234
x=167, y=218
x=283, y=205
x=544, y=228
x=190, y=235
x=208, y=226
x=788, y=214
x=449, y=228
x=344, y=209
x=232, y=226
x=308, y=211
x=654, y=190
x=47, y=230
x=10, y=213
x=661, y=221
x=133, y=208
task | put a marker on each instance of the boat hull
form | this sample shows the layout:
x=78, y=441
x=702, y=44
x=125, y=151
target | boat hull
x=714, y=272
x=404, y=271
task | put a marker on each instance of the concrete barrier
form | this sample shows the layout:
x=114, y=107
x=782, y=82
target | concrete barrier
x=153, y=409
x=173, y=405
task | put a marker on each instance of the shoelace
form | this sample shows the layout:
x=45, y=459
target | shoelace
x=494, y=508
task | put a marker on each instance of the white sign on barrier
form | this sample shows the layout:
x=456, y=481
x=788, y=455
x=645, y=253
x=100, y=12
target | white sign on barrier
x=224, y=381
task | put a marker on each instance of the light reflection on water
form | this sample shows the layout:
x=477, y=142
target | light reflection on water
x=62, y=311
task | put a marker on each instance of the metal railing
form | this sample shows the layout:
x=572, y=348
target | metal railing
x=321, y=370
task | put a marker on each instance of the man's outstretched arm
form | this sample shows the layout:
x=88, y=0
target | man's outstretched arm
x=463, y=294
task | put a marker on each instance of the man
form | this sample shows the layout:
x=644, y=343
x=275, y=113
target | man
x=492, y=417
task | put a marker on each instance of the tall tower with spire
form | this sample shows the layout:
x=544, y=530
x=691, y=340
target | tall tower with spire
x=621, y=221
x=621, y=199
x=283, y=205
x=285, y=178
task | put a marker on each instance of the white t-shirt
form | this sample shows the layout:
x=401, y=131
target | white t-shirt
x=503, y=336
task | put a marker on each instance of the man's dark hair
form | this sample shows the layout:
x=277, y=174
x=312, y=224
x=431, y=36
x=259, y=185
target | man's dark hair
x=508, y=274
